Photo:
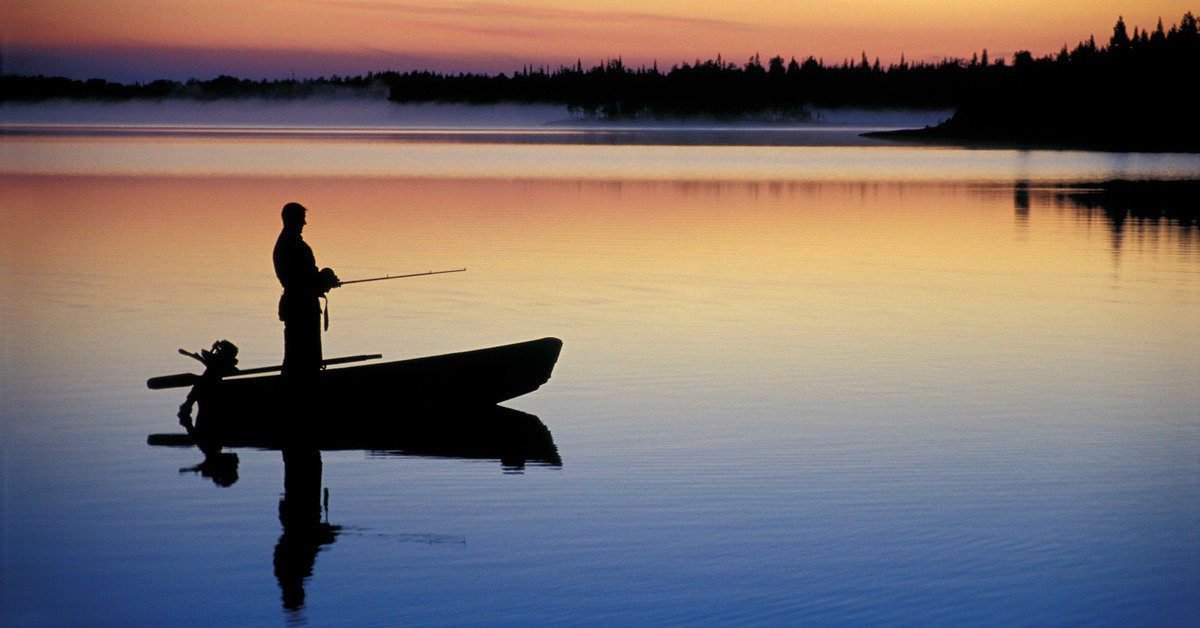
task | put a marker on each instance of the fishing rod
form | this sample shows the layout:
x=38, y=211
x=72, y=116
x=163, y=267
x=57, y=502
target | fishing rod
x=386, y=277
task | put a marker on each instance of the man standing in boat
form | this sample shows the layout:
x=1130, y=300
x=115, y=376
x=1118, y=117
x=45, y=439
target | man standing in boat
x=303, y=286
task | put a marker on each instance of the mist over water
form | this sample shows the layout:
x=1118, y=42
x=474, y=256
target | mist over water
x=880, y=119
x=378, y=113
x=351, y=113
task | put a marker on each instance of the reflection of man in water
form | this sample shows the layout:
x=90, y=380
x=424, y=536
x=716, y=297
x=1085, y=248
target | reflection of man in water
x=303, y=531
x=303, y=285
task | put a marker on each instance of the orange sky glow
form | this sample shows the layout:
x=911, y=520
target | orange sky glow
x=148, y=39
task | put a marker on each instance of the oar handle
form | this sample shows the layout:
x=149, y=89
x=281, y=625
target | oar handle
x=181, y=380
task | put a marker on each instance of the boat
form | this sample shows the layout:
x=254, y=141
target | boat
x=363, y=402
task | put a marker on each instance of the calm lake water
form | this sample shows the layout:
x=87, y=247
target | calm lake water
x=807, y=379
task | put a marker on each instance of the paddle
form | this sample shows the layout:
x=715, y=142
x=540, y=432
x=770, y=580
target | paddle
x=181, y=380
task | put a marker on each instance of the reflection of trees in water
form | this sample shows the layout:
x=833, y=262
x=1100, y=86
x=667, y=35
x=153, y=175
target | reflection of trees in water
x=1144, y=201
x=1144, y=207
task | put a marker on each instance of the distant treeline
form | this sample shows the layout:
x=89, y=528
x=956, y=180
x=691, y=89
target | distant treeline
x=15, y=88
x=1136, y=93
x=1154, y=63
x=1140, y=71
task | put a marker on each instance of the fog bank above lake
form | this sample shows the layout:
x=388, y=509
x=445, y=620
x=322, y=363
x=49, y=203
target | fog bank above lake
x=378, y=113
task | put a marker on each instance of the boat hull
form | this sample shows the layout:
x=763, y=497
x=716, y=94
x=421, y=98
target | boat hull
x=358, y=402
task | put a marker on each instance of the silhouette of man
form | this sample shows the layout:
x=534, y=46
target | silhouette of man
x=303, y=286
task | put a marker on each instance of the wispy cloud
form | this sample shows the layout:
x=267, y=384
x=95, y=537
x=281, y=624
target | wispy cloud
x=506, y=11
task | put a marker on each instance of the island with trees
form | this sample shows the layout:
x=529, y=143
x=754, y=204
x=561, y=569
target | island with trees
x=1134, y=93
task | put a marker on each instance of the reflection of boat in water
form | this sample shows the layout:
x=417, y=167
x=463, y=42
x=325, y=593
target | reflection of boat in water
x=439, y=406
x=513, y=437
x=341, y=408
x=488, y=433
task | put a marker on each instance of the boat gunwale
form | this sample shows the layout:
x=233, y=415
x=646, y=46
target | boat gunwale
x=253, y=378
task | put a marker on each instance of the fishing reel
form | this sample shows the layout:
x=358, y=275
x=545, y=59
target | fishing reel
x=328, y=280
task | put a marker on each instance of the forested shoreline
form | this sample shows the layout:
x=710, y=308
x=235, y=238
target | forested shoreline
x=1139, y=81
x=1135, y=94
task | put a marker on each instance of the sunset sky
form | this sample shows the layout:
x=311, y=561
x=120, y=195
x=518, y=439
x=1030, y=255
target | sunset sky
x=143, y=40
